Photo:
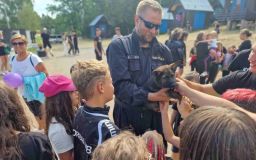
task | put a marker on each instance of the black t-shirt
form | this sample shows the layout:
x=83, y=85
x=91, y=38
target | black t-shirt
x=202, y=52
x=99, y=43
x=240, y=61
x=45, y=37
x=247, y=44
x=239, y=79
x=35, y=146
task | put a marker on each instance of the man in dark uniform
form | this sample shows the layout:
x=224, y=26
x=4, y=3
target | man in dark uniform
x=131, y=60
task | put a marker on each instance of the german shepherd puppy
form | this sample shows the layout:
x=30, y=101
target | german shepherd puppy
x=162, y=77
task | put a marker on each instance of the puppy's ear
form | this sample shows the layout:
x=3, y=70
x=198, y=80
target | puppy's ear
x=174, y=65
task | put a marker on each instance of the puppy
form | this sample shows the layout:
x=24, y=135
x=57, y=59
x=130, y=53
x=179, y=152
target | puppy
x=162, y=77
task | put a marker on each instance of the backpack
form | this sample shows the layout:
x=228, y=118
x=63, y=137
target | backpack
x=30, y=59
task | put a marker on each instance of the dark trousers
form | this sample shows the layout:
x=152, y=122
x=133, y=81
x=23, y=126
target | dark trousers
x=98, y=55
x=76, y=49
x=138, y=120
x=71, y=48
x=193, y=66
x=213, y=71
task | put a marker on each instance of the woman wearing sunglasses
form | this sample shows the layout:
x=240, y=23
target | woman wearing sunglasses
x=33, y=71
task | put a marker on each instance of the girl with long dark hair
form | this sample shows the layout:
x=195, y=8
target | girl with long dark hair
x=61, y=102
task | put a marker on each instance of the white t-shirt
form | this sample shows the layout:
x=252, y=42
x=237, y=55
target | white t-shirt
x=60, y=140
x=25, y=67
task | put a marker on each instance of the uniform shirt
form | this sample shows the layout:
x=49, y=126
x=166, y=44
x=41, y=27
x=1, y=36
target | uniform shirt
x=130, y=72
x=239, y=79
x=91, y=127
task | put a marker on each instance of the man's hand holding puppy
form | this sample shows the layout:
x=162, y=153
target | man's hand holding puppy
x=160, y=95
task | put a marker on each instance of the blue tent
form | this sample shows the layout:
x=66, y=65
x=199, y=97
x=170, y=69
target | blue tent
x=196, y=13
x=99, y=22
x=167, y=21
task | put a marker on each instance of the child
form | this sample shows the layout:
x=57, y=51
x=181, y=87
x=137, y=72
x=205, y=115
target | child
x=155, y=144
x=212, y=40
x=176, y=117
x=91, y=123
x=212, y=133
x=61, y=103
x=215, y=65
x=17, y=141
x=125, y=146
x=228, y=59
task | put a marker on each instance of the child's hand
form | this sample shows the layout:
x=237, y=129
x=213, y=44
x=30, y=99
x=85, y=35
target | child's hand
x=184, y=107
x=182, y=87
x=164, y=106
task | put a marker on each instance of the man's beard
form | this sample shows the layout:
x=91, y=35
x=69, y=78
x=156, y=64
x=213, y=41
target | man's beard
x=144, y=40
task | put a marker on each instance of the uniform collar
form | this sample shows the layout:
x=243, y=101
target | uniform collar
x=96, y=111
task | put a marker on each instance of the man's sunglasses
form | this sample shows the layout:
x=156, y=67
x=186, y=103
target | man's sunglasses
x=18, y=43
x=150, y=25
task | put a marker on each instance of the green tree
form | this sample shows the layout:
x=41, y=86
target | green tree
x=9, y=10
x=119, y=13
x=73, y=15
x=48, y=22
x=28, y=18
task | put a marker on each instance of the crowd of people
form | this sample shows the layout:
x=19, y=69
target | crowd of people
x=52, y=116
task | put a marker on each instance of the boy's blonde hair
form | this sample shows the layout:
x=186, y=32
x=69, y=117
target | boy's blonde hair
x=125, y=146
x=148, y=4
x=87, y=74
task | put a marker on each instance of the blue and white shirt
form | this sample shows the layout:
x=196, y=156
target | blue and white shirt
x=91, y=128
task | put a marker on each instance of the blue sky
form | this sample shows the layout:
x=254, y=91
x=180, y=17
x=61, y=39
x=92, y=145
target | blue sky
x=40, y=6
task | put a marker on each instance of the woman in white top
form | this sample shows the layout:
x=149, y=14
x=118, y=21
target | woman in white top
x=61, y=102
x=29, y=65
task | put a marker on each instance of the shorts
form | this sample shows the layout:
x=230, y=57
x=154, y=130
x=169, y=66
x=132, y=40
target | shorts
x=35, y=107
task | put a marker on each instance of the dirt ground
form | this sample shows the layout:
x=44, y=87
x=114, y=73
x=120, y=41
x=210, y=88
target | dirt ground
x=61, y=63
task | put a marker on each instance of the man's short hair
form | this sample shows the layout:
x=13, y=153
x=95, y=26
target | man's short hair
x=148, y=4
x=87, y=74
x=245, y=98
